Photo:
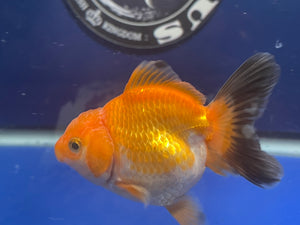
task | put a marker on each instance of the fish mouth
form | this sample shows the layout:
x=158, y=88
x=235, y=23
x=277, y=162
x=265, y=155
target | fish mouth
x=58, y=152
x=58, y=155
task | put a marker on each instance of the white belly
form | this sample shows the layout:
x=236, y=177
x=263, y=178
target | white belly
x=164, y=189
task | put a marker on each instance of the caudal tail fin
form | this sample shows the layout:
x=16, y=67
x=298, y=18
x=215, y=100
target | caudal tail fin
x=233, y=145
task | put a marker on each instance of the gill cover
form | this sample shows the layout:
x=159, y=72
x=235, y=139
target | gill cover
x=100, y=149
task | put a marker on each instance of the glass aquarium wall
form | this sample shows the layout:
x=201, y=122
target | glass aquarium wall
x=53, y=67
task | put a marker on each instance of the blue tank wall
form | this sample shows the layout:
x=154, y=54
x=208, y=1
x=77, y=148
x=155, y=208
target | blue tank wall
x=36, y=189
x=51, y=69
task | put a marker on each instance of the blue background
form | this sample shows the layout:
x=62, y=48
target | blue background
x=36, y=189
x=51, y=69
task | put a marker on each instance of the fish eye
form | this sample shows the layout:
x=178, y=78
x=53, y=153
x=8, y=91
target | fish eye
x=75, y=145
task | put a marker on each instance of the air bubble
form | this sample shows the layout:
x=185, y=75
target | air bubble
x=278, y=44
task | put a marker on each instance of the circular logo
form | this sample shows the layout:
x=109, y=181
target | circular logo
x=143, y=23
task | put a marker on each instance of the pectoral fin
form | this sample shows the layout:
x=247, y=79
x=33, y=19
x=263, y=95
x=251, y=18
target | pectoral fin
x=138, y=192
x=186, y=212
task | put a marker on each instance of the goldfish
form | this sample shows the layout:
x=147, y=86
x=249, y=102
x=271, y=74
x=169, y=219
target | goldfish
x=153, y=142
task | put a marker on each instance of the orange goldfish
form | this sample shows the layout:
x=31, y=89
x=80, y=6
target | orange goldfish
x=153, y=142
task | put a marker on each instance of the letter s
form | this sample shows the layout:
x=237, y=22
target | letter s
x=168, y=32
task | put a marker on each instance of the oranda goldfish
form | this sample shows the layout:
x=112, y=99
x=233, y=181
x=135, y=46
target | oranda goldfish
x=153, y=142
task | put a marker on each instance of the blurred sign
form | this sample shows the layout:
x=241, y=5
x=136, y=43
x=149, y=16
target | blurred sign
x=143, y=23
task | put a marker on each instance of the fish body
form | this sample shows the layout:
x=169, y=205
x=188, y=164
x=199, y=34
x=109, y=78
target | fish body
x=156, y=146
x=153, y=142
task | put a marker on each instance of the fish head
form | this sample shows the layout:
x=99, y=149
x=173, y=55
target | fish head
x=87, y=147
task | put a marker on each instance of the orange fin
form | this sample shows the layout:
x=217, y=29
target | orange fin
x=99, y=157
x=186, y=212
x=138, y=192
x=233, y=145
x=161, y=74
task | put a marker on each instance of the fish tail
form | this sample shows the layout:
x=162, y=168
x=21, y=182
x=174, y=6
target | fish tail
x=233, y=145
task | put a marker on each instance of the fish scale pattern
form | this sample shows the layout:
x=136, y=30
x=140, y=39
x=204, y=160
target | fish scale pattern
x=149, y=126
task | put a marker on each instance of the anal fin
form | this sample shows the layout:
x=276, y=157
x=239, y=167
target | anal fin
x=186, y=212
x=138, y=192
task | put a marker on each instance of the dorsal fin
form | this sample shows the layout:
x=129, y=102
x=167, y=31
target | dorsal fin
x=159, y=73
